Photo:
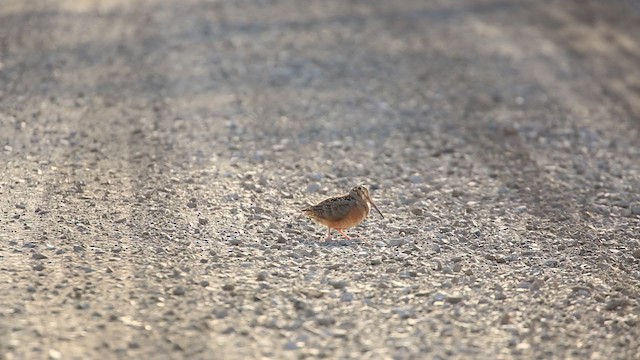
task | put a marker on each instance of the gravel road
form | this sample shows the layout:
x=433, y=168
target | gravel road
x=155, y=156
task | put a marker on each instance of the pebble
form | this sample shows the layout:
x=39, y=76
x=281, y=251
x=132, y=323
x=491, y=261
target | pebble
x=376, y=261
x=21, y=206
x=38, y=267
x=228, y=287
x=325, y=320
x=340, y=333
x=396, y=242
x=38, y=256
x=178, y=291
x=635, y=209
x=192, y=203
x=524, y=285
x=439, y=297
x=262, y=276
x=415, y=179
x=203, y=221
x=338, y=284
x=54, y=354
x=346, y=297
x=500, y=296
x=404, y=313
x=313, y=187
x=416, y=211
x=615, y=304
x=636, y=254
x=457, y=267
x=453, y=299
x=437, y=266
x=551, y=263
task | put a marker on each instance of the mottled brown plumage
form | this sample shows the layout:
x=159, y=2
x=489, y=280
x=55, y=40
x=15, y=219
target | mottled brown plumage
x=342, y=212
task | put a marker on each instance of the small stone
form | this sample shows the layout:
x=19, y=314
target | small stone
x=500, y=296
x=415, y=179
x=416, y=211
x=615, y=304
x=38, y=267
x=396, y=242
x=551, y=263
x=447, y=270
x=55, y=354
x=451, y=299
x=325, y=320
x=340, y=333
x=204, y=283
x=178, y=291
x=437, y=266
x=281, y=238
x=313, y=187
x=346, y=297
x=635, y=209
x=536, y=285
x=457, y=267
x=234, y=241
x=439, y=297
x=376, y=261
x=338, y=284
x=203, y=221
x=228, y=287
x=21, y=206
x=524, y=285
x=38, y=256
x=457, y=193
x=262, y=276
x=636, y=254
x=404, y=313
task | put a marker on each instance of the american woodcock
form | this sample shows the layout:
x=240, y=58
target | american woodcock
x=342, y=212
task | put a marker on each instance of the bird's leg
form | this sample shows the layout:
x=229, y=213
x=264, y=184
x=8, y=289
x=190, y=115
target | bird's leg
x=328, y=234
x=343, y=234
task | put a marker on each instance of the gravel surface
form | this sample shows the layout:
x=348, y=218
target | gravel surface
x=155, y=156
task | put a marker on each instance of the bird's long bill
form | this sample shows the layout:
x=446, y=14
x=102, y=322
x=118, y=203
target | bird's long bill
x=375, y=207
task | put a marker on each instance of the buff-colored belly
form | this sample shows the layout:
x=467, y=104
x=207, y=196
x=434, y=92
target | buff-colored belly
x=353, y=218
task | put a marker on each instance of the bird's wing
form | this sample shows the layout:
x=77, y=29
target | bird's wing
x=332, y=209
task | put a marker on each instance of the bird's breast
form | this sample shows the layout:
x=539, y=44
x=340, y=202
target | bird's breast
x=353, y=218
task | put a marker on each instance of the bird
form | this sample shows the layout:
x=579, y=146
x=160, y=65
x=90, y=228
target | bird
x=342, y=212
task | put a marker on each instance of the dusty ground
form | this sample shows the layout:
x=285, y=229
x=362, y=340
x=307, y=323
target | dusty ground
x=155, y=155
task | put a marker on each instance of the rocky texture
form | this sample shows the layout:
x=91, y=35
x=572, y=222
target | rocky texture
x=155, y=156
